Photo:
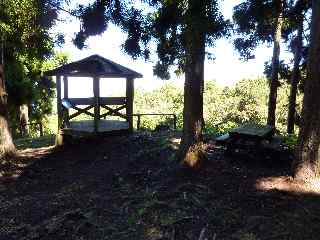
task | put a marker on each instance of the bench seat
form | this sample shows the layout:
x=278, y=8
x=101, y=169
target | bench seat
x=223, y=139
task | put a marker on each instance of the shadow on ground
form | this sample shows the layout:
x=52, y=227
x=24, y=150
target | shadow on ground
x=130, y=187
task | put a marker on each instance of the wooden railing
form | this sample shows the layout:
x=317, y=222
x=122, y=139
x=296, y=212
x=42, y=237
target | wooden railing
x=102, y=101
x=121, y=102
x=139, y=115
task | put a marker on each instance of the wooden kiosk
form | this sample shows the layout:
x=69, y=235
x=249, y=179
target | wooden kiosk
x=95, y=67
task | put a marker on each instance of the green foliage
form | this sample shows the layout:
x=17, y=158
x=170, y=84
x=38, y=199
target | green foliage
x=290, y=140
x=167, y=99
x=254, y=21
x=38, y=142
x=28, y=46
x=27, y=85
x=224, y=108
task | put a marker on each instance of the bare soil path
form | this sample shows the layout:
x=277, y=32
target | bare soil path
x=130, y=187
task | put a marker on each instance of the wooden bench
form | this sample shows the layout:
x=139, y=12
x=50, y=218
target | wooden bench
x=247, y=137
x=223, y=139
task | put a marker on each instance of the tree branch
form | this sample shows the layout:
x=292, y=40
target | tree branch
x=64, y=10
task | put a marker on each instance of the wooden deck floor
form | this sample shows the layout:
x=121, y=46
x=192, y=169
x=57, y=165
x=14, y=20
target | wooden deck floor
x=87, y=126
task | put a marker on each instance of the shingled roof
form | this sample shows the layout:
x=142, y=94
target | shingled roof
x=94, y=65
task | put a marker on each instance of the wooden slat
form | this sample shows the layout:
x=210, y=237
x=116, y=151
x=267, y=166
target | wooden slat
x=81, y=101
x=83, y=74
x=102, y=100
x=253, y=130
x=113, y=100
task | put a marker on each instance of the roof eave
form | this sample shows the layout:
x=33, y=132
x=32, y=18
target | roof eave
x=54, y=73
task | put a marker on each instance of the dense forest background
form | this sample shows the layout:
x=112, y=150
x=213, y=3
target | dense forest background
x=224, y=106
x=259, y=181
x=182, y=31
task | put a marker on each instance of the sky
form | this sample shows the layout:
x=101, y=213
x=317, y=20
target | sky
x=226, y=69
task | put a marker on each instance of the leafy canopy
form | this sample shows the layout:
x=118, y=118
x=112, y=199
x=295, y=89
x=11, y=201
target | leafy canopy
x=165, y=22
x=255, y=22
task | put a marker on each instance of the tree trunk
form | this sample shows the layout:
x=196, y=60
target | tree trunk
x=297, y=44
x=307, y=163
x=275, y=69
x=6, y=143
x=24, y=120
x=191, y=148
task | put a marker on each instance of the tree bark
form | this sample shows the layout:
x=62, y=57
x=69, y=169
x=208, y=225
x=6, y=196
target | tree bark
x=307, y=163
x=275, y=68
x=6, y=143
x=298, y=44
x=191, y=148
x=24, y=120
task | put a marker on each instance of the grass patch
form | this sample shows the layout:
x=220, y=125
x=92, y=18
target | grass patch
x=35, y=142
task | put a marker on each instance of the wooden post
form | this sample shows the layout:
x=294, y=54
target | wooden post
x=66, y=96
x=59, y=105
x=59, y=137
x=41, y=129
x=129, y=103
x=96, y=94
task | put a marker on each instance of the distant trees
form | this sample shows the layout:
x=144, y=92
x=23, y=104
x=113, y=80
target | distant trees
x=26, y=43
x=307, y=163
x=258, y=22
x=297, y=45
x=271, y=21
x=274, y=83
x=223, y=107
x=295, y=29
x=182, y=30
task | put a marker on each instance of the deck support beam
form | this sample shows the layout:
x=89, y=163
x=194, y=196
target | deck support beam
x=96, y=94
x=129, y=103
x=59, y=137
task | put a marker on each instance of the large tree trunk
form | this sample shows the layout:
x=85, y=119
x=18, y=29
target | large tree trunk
x=6, y=143
x=297, y=44
x=275, y=68
x=191, y=148
x=307, y=163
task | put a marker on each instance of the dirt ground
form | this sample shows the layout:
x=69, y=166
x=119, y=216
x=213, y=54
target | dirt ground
x=131, y=187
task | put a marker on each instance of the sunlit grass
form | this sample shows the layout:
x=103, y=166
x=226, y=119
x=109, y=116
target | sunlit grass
x=35, y=142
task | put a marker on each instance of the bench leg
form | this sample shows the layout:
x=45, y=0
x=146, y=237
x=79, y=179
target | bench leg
x=230, y=149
